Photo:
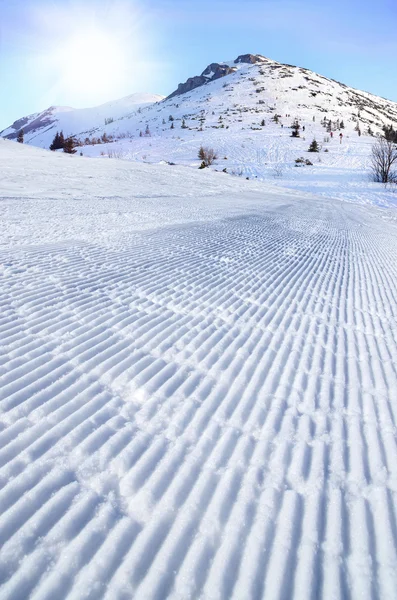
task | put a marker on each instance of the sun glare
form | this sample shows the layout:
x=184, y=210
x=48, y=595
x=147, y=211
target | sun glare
x=91, y=62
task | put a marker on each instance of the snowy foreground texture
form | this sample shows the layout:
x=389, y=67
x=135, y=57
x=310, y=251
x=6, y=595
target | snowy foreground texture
x=199, y=386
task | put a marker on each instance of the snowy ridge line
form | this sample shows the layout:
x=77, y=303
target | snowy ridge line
x=207, y=413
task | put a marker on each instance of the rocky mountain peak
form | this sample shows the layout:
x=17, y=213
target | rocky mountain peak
x=250, y=59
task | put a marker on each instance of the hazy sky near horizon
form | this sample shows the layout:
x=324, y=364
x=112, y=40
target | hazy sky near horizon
x=85, y=52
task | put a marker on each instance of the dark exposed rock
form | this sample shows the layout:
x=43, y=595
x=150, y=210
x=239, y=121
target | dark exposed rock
x=249, y=58
x=215, y=71
x=212, y=72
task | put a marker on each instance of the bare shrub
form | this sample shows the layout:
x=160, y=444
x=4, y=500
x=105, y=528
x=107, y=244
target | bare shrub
x=115, y=153
x=278, y=170
x=384, y=161
x=207, y=155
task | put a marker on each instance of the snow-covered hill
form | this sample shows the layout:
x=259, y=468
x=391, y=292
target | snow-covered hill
x=235, y=95
x=40, y=128
x=198, y=386
x=244, y=110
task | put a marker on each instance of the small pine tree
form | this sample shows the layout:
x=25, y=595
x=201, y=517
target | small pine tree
x=172, y=126
x=55, y=142
x=170, y=118
x=342, y=125
x=275, y=118
x=69, y=145
x=183, y=126
x=58, y=142
x=314, y=147
x=140, y=134
x=263, y=123
x=20, y=136
x=147, y=131
x=295, y=129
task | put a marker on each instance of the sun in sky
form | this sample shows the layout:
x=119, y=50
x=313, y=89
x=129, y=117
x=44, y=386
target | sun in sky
x=91, y=62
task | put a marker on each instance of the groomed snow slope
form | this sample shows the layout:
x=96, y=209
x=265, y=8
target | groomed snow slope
x=198, y=378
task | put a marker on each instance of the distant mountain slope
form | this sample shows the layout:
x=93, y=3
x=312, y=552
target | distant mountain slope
x=39, y=128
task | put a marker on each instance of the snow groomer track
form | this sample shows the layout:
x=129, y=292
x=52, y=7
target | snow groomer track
x=208, y=411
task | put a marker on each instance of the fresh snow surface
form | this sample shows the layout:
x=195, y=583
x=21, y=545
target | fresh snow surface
x=199, y=386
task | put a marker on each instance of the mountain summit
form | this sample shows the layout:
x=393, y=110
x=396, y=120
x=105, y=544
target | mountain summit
x=233, y=96
x=215, y=71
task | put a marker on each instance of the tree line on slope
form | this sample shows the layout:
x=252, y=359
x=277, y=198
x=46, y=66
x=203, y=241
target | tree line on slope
x=383, y=152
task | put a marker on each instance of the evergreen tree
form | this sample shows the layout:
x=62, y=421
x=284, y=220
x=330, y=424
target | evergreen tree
x=390, y=133
x=295, y=129
x=172, y=125
x=69, y=145
x=55, y=142
x=183, y=126
x=20, y=136
x=263, y=123
x=342, y=125
x=147, y=131
x=314, y=147
x=170, y=118
x=58, y=142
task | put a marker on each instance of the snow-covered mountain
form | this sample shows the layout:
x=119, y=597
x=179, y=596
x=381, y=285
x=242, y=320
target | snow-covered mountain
x=40, y=128
x=237, y=94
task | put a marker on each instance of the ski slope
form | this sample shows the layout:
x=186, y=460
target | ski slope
x=198, y=386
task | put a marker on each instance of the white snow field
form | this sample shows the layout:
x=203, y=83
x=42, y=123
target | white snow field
x=198, y=386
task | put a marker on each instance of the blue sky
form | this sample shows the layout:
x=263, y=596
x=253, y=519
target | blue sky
x=153, y=45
